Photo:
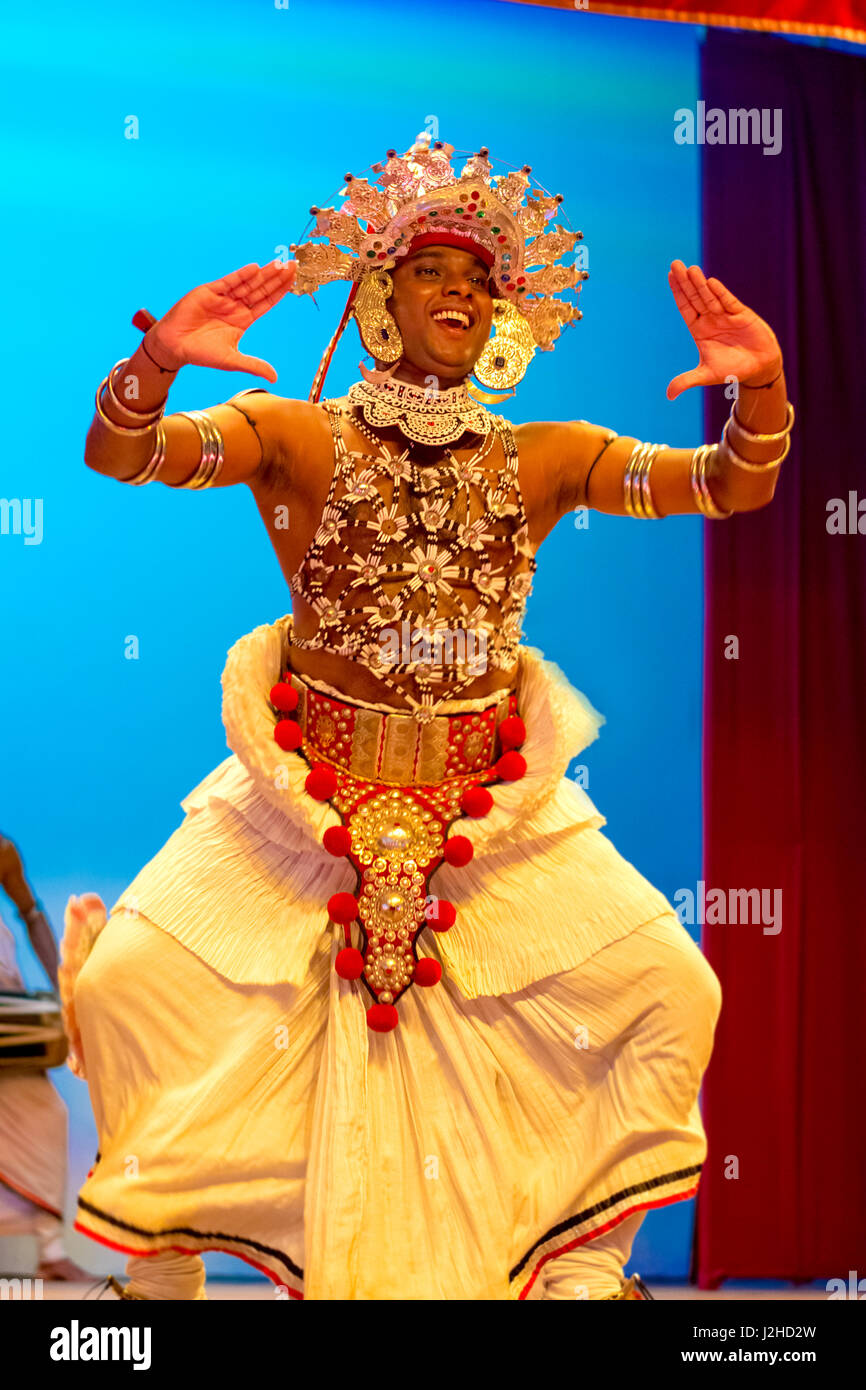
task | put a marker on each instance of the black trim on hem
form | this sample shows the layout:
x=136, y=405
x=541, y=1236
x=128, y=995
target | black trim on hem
x=197, y=1235
x=599, y=1207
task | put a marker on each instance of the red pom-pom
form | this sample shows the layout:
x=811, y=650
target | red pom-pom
x=511, y=766
x=288, y=734
x=428, y=971
x=349, y=964
x=337, y=840
x=512, y=732
x=382, y=1018
x=441, y=915
x=476, y=801
x=284, y=697
x=458, y=850
x=342, y=907
x=321, y=783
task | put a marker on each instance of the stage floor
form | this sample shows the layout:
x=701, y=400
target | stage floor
x=251, y=1289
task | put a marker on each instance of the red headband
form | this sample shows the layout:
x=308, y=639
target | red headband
x=461, y=240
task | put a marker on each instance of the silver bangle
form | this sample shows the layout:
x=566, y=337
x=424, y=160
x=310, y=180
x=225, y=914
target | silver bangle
x=637, y=493
x=745, y=464
x=120, y=429
x=642, y=482
x=763, y=438
x=212, y=451
x=151, y=468
x=700, y=488
x=635, y=459
x=139, y=417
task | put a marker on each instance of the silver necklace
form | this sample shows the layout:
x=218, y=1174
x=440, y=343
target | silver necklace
x=421, y=414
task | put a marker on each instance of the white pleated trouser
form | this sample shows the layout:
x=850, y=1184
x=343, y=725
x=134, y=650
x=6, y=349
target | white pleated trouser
x=489, y=1148
x=592, y=1273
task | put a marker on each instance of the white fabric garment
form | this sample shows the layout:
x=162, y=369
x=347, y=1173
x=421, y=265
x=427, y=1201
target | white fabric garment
x=167, y=1276
x=593, y=1270
x=545, y=1091
x=243, y=881
x=475, y=1144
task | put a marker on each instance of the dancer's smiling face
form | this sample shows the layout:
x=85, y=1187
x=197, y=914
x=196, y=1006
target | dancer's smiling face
x=443, y=306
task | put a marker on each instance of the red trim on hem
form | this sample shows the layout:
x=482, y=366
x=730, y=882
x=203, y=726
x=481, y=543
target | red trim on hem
x=183, y=1250
x=37, y=1201
x=600, y=1230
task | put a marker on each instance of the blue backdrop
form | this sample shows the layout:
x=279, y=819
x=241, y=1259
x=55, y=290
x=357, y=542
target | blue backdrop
x=247, y=114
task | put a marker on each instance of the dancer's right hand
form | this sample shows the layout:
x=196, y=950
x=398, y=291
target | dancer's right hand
x=203, y=328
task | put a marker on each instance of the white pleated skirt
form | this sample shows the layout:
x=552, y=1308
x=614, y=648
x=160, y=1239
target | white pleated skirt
x=542, y=1091
x=454, y=1158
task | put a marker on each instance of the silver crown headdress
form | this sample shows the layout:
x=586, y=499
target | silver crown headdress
x=419, y=199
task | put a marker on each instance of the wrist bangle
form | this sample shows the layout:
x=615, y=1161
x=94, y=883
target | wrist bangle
x=140, y=417
x=121, y=429
x=745, y=464
x=754, y=438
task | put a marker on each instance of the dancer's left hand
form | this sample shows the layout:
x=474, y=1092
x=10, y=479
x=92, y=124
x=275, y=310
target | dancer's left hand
x=731, y=339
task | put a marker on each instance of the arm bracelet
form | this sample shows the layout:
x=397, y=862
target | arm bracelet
x=138, y=417
x=146, y=422
x=151, y=468
x=745, y=464
x=700, y=488
x=212, y=451
x=763, y=438
x=210, y=461
x=637, y=493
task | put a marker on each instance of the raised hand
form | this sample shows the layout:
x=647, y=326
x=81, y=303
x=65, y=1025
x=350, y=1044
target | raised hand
x=204, y=328
x=731, y=339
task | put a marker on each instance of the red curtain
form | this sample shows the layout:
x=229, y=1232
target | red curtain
x=840, y=19
x=782, y=1194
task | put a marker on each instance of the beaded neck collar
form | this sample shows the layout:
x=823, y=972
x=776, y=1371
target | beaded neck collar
x=422, y=414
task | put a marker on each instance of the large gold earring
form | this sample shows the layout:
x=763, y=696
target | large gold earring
x=507, y=354
x=379, y=333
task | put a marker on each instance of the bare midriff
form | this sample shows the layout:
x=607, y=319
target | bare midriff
x=358, y=682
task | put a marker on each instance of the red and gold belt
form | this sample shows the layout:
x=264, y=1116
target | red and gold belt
x=398, y=786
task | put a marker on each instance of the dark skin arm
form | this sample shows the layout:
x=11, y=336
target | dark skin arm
x=203, y=328
x=14, y=884
x=583, y=469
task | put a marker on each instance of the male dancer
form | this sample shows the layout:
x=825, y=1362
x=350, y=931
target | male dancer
x=501, y=1133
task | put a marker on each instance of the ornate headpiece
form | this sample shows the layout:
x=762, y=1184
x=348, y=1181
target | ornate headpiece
x=419, y=199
